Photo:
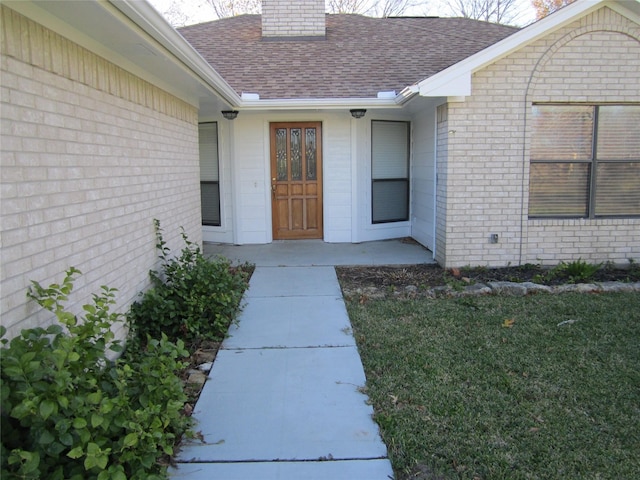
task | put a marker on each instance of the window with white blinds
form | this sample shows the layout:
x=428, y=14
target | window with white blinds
x=585, y=161
x=209, y=173
x=389, y=171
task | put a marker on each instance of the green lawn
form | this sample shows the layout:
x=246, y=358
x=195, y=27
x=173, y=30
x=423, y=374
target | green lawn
x=544, y=387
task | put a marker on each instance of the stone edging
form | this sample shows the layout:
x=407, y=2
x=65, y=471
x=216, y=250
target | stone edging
x=493, y=288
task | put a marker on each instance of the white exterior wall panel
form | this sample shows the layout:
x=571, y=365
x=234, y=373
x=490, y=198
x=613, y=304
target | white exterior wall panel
x=423, y=175
x=252, y=171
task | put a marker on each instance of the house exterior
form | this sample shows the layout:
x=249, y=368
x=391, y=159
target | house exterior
x=487, y=144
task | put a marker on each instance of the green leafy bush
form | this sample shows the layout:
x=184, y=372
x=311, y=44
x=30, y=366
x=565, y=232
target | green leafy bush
x=192, y=297
x=69, y=412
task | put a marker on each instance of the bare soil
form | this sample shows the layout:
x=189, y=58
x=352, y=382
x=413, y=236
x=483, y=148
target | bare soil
x=429, y=276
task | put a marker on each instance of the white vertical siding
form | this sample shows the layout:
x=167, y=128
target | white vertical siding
x=423, y=175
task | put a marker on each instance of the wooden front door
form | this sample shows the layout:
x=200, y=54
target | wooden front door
x=296, y=180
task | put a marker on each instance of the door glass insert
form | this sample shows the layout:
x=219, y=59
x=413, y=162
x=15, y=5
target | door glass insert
x=296, y=154
x=281, y=153
x=310, y=153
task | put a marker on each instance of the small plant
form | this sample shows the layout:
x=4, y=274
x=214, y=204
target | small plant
x=571, y=272
x=69, y=412
x=192, y=298
x=634, y=270
x=453, y=280
x=579, y=270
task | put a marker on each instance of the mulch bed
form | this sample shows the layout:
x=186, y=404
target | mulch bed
x=429, y=276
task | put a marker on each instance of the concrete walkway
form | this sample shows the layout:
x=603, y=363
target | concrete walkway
x=284, y=397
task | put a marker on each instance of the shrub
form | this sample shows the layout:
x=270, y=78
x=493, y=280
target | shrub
x=192, y=297
x=68, y=412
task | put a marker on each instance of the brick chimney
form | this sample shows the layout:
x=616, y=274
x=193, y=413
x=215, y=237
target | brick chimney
x=288, y=19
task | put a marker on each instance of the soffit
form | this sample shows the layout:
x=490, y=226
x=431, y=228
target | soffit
x=106, y=31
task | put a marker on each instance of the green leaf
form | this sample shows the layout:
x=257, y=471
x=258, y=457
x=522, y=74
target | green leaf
x=46, y=437
x=73, y=356
x=55, y=449
x=27, y=357
x=130, y=440
x=63, y=402
x=76, y=453
x=79, y=423
x=90, y=462
x=66, y=439
x=96, y=420
x=102, y=460
x=119, y=475
x=47, y=408
x=94, y=398
x=54, y=330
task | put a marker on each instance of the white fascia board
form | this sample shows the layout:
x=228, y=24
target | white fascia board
x=147, y=18
x=448, y=86
x=453, y=80
x=317, y=104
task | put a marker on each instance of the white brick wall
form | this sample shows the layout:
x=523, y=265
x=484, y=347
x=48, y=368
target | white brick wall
x=91, y=155
x=283, y=18
x=486, y=171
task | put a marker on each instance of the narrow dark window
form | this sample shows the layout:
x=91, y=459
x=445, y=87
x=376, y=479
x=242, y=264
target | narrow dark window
x=389, y=171
x=209, y=174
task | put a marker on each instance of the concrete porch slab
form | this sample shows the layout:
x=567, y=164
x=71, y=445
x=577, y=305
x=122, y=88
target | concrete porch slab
x=285, y=404
x=343, y=470
x=297, y=253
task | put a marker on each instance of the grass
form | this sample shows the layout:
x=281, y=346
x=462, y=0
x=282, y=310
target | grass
x=538, y=387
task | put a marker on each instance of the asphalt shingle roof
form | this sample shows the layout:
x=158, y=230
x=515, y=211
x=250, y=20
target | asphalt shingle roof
x=359, y=57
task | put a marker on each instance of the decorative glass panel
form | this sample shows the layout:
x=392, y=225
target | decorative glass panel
x=559, y=189
x=296, y=154
x=310, y=153
x=619, y=132
x=562, y=132
x=281, y=154
x=618, y=189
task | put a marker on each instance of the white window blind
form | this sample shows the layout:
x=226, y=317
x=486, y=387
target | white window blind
x=619, y=132
x=208, y=139
x=562, y=132
x=390, y=149
x=389, y=171
x=585, y=161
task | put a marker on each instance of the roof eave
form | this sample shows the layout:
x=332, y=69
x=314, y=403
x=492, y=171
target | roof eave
x=147, y=18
